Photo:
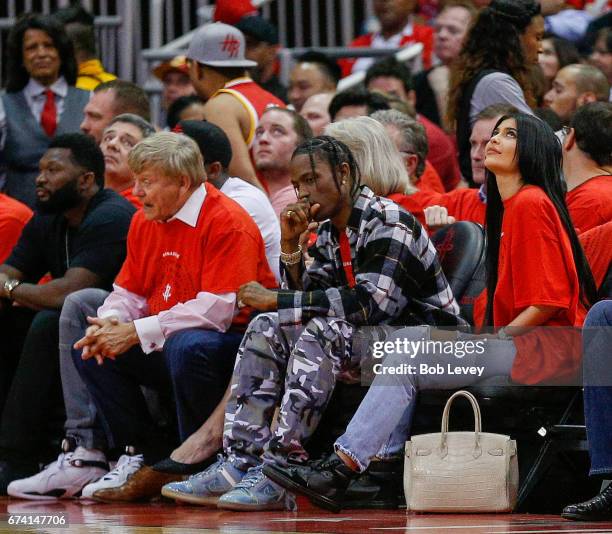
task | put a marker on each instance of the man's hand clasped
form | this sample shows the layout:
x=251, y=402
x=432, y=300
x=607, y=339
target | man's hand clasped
x=106, y=338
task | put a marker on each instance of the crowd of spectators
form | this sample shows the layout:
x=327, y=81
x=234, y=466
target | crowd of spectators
x=173, y=291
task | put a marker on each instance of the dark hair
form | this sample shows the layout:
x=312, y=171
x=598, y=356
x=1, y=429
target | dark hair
x=493, y=42
x=328, y=66
x=606, y=35
x=538, y=152
x=84, y=152
x=549, y=117
x=300, y=124
x=83, y=38
x=592, y=125
x=358, y=97
x=212, y=141
x=495, y=110
x=392, y=68
x=129, y=98
x=145, y=127
x=565, y=50
x=335, y=153
x=17, y=75
x=178, y=106
x=227, y=72
x=74, y=13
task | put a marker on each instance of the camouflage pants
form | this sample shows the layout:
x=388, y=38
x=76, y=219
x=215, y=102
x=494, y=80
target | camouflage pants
x=301, y=364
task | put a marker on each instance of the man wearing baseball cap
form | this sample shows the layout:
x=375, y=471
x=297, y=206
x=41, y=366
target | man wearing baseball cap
x=174, y=76
x=234, y=102
x=261, y=38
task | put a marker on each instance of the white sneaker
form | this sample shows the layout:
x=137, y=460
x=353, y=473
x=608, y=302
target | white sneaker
x=62, y=479
x=125, y=468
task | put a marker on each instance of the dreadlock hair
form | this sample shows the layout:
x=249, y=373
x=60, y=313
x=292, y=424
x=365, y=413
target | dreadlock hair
x=335, y=153
x=538, y=153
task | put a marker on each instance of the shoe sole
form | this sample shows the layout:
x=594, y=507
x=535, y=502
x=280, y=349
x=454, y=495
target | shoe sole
x=191, y=499
x=288, y=483
x=239, y=507
x=31, y=497
x=578, y=517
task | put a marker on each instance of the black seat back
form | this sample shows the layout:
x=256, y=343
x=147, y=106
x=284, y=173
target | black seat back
x=461, y=247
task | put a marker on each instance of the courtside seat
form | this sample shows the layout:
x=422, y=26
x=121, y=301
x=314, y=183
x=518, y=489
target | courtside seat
x=461, y=247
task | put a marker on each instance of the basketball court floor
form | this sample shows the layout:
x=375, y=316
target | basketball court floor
x=168, y=518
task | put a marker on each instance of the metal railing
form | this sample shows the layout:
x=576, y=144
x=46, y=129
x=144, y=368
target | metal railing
x=411, y=54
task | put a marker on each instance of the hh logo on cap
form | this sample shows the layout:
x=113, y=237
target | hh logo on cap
x=231, y=45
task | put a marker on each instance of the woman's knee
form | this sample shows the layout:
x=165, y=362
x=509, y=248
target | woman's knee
x=600, y=314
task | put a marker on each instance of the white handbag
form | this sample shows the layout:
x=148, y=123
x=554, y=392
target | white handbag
x=461, y=471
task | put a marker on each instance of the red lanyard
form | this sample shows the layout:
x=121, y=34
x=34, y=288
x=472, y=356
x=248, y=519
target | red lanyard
x=345, y=255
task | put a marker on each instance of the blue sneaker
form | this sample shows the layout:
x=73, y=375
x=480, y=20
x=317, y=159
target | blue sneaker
x=206, y=487
x=256, y=492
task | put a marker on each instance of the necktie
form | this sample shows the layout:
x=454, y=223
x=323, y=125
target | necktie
x=48, y=117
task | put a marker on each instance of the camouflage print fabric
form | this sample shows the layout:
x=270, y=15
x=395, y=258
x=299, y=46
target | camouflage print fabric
x=300, y=363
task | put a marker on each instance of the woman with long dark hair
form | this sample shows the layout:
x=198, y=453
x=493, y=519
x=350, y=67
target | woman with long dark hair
x=537, y=276
x=40, y=101
x=494, y=67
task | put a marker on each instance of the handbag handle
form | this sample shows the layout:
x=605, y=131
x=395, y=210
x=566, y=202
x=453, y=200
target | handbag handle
x=477, y=422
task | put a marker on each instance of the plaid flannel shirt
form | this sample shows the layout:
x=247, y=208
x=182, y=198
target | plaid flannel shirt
x=398, y=277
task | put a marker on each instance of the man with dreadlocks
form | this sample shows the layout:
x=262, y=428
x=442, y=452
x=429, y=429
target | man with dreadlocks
x=372, y=265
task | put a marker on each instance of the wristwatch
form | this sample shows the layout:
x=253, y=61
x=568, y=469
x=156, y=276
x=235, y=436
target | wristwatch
x=10, y=285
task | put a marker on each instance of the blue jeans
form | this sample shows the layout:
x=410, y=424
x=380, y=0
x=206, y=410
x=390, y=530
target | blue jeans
x=195, y=367
x=383, y=420
x=597, y=368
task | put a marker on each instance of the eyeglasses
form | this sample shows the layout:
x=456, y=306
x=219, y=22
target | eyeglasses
x=565, y=131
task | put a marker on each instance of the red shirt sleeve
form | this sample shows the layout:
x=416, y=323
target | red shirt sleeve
x=597, y=249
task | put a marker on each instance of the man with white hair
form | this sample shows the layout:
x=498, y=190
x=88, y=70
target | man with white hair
x=170, y=322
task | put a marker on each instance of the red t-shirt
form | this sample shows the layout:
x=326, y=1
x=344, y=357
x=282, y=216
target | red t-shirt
x=169, y=263
x=464, y=205
x=430, y=179
x=442, y=154
x=597, y=245
x=420, y=34
x=536, y=267
x=128, y=194
x=13, y=217
x=590, y=204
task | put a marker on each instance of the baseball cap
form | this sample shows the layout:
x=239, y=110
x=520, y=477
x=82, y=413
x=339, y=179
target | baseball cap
x=258, y=28
x=219, y=45
x=212, y=140
x=177, y=64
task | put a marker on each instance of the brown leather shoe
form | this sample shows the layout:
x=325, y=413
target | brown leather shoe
x=143, y=485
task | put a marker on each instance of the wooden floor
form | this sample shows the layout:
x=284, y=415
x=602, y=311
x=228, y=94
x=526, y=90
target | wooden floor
x=168, y=518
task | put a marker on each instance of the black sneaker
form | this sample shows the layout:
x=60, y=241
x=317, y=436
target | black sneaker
x=324, y=482
x=380, y=487
x=599, y=508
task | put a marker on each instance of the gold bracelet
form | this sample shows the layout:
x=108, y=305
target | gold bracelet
x=292, y=258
